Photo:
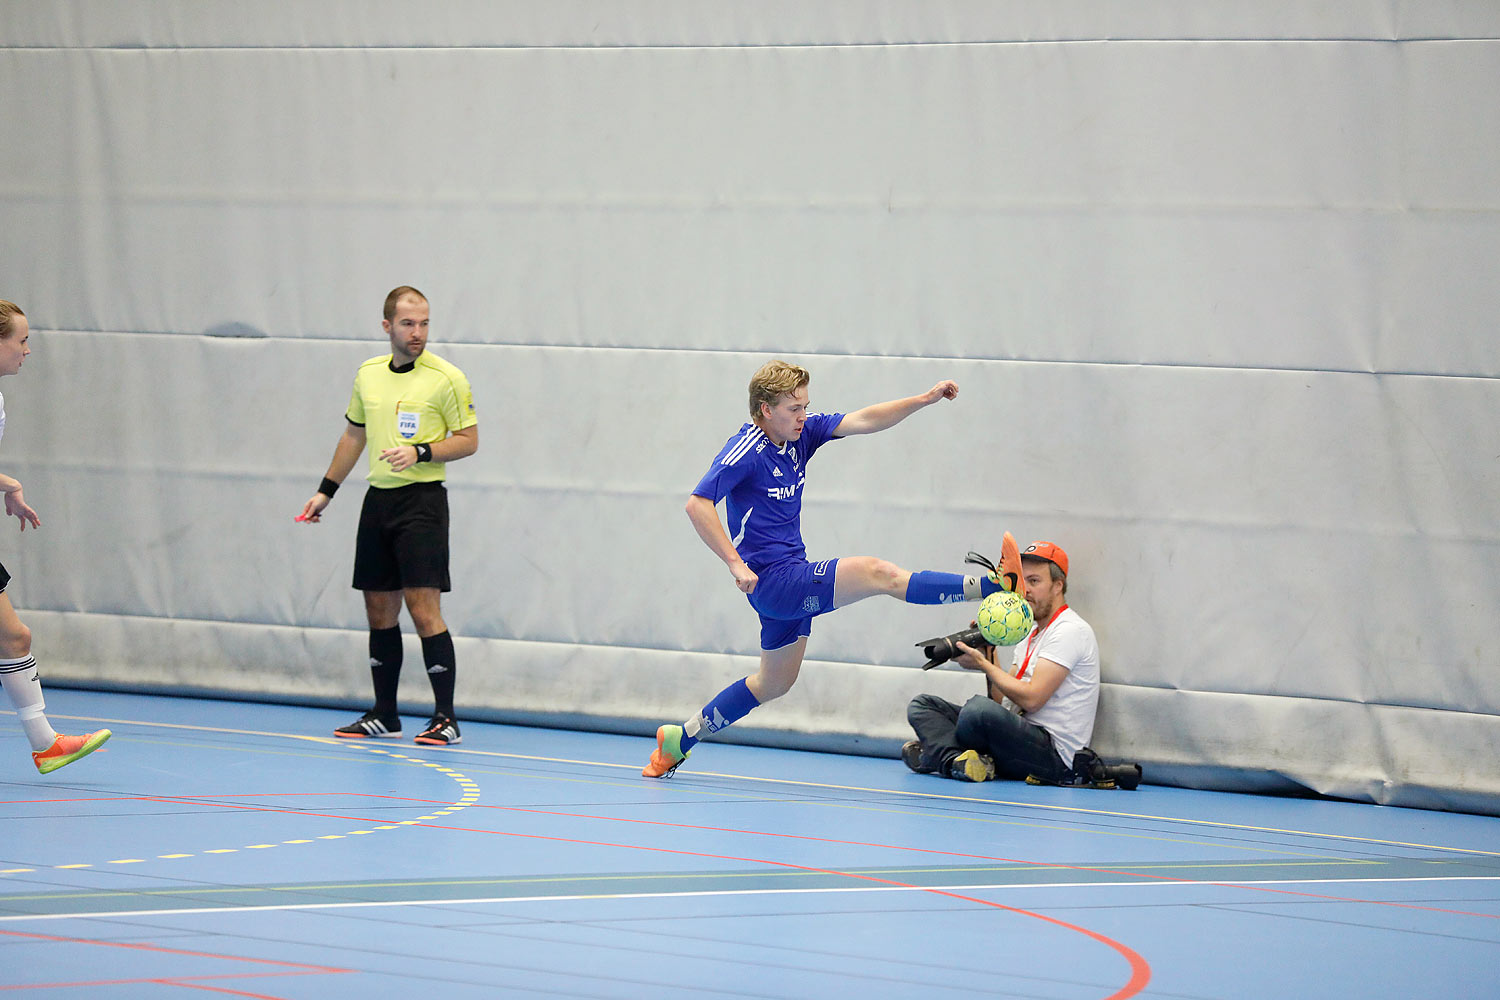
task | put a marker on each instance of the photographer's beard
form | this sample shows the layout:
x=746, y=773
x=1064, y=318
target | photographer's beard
x=1044, y=606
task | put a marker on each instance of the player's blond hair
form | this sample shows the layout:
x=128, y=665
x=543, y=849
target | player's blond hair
x=773, y=380
x=397, y=294
x=7, y=310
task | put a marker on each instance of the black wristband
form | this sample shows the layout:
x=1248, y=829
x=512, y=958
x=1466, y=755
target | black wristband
x=424, y=452
x=328, y=487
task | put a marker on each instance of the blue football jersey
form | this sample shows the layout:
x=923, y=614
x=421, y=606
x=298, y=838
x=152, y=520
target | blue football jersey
x=764, y=486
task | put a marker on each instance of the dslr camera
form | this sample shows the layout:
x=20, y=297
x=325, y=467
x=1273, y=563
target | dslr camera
x=945, y=647
x=1091, y=771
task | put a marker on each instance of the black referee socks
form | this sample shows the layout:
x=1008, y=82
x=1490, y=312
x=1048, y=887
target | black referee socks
x=385, y=668
x=442, y=668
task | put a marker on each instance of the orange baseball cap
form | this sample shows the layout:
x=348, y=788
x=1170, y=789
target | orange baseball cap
x=1047, y=552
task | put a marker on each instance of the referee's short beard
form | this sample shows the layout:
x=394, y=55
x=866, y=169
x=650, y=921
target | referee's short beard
x=406, y=351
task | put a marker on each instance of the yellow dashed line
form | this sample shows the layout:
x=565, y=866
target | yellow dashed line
x=470, y=796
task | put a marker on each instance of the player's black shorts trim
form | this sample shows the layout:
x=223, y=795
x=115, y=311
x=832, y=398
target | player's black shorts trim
x=403, y=538
x=4, y=578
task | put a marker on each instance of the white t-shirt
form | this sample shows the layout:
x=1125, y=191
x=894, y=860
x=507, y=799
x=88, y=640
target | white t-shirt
x=1069, y=642
x=2, y=415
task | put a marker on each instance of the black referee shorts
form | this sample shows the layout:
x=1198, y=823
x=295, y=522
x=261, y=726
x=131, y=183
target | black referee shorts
x=403, y=538
x=4, y=578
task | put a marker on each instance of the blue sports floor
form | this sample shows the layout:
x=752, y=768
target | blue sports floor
x=220, y=848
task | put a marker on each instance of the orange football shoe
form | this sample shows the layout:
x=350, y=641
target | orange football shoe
x=1008, y=573
x=668, y=754
x=67, y=749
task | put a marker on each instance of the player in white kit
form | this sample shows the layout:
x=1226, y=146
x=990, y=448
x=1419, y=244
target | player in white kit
x=18, y=673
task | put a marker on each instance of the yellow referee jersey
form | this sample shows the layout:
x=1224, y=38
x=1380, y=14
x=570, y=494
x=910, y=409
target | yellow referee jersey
x=420, y=406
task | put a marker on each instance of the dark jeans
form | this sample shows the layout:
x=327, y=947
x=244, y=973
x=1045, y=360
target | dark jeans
x=1018, y=747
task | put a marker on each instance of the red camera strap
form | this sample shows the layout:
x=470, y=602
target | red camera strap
x=1035, y=635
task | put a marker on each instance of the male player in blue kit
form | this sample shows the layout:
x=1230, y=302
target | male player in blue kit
x=761, y=471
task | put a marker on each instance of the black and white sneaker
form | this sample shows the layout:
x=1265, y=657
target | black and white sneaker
x=440, y=732
x=370, y=724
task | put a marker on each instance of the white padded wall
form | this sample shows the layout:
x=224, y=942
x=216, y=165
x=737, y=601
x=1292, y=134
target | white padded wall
x=1215, y=283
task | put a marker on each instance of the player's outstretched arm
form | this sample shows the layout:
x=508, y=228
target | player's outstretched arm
x=883, y=415
x=705, y=517
x=351, y=445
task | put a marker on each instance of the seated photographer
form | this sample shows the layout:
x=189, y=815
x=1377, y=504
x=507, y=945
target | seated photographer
x=1038, y=714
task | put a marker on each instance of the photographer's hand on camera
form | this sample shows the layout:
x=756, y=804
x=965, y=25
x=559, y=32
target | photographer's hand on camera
x=974, y=659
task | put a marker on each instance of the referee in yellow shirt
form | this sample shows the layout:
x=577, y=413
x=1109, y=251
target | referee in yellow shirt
x=417, y=413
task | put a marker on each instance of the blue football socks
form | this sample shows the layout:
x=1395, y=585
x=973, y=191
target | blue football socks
x=930, y=587
x=727, y=707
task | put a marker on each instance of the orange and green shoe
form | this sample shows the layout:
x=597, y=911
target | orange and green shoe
x=1008, y=574
x=67, y=749
x=668, y=754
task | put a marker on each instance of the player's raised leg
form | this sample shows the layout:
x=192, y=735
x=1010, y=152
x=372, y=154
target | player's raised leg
x=22, y=683
x=859, y=577
x=778, y=672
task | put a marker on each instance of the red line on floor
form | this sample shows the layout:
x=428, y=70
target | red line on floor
x=187, y=982
x=1140, y=970
x=136, y=946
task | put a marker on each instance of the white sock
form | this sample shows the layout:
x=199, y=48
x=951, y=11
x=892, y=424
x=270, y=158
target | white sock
x=24, y=685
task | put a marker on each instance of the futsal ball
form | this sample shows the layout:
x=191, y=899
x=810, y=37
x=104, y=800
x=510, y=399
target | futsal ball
x=1004, y=618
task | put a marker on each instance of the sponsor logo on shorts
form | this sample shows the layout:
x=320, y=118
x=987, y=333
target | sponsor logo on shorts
x=819, y=569
x=810, y=604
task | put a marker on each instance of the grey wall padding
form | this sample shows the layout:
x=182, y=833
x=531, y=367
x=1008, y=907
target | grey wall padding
x=1216, y=284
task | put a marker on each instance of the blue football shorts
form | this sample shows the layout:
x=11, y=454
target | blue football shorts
x=788, y=596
